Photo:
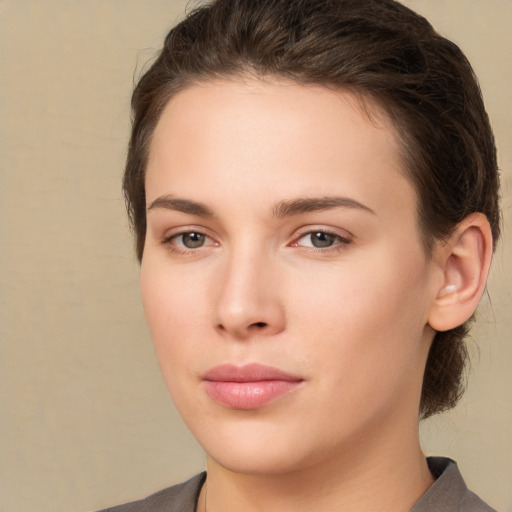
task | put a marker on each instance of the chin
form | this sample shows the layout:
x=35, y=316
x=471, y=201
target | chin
x=262, y=448
x=257, y=461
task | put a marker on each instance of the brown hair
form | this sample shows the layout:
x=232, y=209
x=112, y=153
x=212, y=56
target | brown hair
x=378, y=49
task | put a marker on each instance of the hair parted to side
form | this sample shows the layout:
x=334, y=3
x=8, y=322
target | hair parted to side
x=380, y=50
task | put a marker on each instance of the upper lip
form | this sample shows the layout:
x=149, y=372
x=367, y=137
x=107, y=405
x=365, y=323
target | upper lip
x=254, y=372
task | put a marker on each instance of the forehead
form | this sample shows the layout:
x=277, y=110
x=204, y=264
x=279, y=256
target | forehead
x=249, y=95
x=256, y=134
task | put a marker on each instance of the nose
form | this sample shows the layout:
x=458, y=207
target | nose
x=248, y=301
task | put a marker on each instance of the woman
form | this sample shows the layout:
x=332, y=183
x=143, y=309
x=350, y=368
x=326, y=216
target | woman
x=314, y=193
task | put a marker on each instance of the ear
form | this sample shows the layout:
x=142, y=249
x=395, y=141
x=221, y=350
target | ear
x=464, y=260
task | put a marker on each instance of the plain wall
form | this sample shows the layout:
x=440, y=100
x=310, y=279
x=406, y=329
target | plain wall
x=85, y=417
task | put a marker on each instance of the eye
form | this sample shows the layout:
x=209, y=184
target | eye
x=321, y=240
x=189, y=240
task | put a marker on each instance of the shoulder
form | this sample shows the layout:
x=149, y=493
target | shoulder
x=449, y=492
x=178, y=498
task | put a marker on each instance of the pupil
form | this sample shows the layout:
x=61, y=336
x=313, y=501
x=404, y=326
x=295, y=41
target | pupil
x=322, y=239
x=193, y=240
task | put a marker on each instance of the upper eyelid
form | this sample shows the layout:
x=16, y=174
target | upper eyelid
x=341, y=239
x=182, y=233
x=183, y=230
x=342, y=233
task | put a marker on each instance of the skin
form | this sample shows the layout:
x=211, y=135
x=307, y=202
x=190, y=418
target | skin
x=350, y=318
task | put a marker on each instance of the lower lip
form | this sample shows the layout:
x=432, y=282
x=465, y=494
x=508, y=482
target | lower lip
x=249, y=395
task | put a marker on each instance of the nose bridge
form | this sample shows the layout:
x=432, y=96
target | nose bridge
x=247, y=300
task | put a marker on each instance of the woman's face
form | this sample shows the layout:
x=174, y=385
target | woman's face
x=283, y=278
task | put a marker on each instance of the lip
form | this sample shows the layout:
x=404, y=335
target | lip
x=248, y=387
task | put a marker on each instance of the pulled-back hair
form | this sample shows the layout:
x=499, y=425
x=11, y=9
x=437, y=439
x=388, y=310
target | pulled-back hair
x=379, y=50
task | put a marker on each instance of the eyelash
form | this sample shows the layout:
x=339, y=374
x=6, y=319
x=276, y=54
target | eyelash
x=339, y=244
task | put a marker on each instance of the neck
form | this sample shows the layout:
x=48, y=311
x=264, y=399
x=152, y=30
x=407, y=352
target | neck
x=369, y=476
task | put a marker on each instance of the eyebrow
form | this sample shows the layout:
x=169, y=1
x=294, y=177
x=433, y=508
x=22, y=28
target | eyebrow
x=181, y=205
x=282, y=209
x=305, y=205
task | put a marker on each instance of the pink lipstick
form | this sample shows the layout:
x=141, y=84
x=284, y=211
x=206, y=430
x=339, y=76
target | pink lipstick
x=248, y=387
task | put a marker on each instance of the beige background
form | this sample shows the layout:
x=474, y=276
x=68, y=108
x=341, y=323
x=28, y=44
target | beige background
x=85, y=419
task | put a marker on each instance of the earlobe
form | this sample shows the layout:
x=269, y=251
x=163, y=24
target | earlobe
x=465, y=259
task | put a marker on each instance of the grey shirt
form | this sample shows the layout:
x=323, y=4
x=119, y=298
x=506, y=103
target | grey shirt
x=448, y=494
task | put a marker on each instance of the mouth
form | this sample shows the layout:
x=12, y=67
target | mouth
x=248, y=387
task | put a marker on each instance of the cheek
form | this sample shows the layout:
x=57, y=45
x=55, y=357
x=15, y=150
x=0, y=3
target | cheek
x=367, y=320
x=175, y=311
x=171, y=297
x=171, y=308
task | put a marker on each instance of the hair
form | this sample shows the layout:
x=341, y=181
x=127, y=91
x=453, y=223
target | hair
x=381, y=51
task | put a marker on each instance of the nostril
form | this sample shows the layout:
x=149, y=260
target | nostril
x=259, y=324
